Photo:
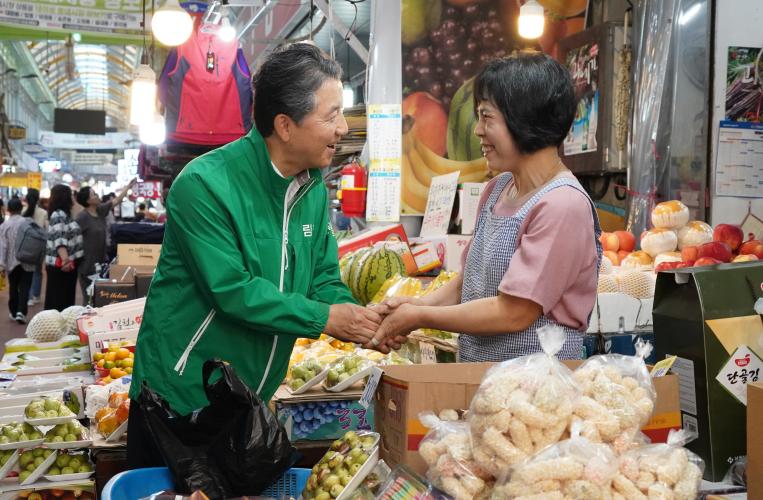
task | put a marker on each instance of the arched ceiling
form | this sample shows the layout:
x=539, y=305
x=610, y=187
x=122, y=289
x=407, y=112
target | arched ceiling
x=84, y=76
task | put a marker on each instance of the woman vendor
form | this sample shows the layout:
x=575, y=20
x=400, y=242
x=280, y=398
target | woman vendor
x=534, y=258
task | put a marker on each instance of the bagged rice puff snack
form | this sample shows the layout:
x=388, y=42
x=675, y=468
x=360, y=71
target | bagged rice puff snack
x=447, y=451
x=617, y=397
x=522, y=406
x=665, y=470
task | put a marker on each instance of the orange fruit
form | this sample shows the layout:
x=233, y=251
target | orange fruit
x=109, y=365
x=100, y=363
x=123, y=353
x=128, y=363
x=128, y=370
x=106, y=380
x=111, y=356
x=116, y=373
x=98, y=356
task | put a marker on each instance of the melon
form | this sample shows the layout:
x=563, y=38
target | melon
x=463, y=145
x=370, y=270
x=46, y=326
x=70, y=315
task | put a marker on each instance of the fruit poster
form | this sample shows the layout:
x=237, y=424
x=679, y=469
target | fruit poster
x=744, y=88
x=583, y=64
x=445, y=44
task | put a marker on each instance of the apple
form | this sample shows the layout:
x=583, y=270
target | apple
x=745, y=258
x=707, y=261
x=686, y=263
x=666, y=266
x=730, y=234
x=612, y=256
x=718, y=250
x=627, y=240
x=430, y=124
x=609, y=242
x=689, y=253
x=752, y=247
x=622, y=254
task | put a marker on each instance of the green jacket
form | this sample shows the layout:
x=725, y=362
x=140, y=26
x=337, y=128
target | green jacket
x=248, y=264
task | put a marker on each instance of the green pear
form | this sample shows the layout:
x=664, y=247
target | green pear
x=67, y=470
x=54, y=471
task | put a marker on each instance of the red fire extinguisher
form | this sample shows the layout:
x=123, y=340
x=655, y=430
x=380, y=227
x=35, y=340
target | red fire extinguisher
x=353, y=189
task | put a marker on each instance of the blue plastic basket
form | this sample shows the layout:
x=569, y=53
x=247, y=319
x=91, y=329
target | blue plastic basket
x=139, y=483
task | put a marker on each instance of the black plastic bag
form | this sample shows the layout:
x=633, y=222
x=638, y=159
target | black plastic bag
x=233, y=447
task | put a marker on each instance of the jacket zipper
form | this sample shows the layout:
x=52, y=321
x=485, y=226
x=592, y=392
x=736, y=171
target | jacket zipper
x=183, y=361
x=287, y=208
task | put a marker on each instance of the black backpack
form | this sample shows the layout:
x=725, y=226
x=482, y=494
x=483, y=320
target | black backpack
x=31, y=240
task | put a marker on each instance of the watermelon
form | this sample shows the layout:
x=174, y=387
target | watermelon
x=370, y=270
x=344, y=265
x=351, y=268
x=463, y=145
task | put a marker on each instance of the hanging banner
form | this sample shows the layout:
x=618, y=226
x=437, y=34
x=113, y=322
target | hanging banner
x=384, y=153
x=21, y=180
x=111, y=140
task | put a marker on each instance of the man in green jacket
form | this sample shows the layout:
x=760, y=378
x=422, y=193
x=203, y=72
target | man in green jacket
x=249, y=260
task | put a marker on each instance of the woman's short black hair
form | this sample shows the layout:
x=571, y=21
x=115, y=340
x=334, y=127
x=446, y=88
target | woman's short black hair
x=83, y=195
x=287, y=81
x=14, y=205
x=60, y=199
x=533, y=93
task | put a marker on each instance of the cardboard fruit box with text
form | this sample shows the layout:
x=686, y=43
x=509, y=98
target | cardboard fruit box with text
x=138, y=255
x=705, y=316
x=406, y=391
x=754, y=441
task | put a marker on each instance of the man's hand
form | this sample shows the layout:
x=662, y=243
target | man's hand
x=395, y=328
x=352, y=323
x=395, y=302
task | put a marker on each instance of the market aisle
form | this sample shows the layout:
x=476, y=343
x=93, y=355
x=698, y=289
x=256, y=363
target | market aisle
x=10, y=329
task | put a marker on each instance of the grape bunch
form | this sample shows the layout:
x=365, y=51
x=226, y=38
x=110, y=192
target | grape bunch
x=308, y=417
x=465, y=40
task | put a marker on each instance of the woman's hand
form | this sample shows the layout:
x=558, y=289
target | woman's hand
x=396, y=327
x=67, y=265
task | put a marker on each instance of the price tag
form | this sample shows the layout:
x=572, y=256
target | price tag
x=428, y=354
x=662, y=368
x=370, y=390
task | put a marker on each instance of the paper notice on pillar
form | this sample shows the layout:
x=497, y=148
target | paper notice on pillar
x=384, y=128
x=442, y=193
x=744, y=367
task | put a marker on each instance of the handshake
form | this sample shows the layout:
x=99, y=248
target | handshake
x=383, y=327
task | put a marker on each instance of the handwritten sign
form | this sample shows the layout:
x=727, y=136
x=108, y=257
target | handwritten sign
x=442, y=192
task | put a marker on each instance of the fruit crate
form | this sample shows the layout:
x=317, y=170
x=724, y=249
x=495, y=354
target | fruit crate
x=291, y=484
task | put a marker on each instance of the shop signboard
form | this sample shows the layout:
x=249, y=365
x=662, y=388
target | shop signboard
x=110, y=140
x=705, y=317
x=151, y=190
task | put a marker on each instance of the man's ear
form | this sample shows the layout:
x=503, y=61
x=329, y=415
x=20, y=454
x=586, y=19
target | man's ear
x=283, y=126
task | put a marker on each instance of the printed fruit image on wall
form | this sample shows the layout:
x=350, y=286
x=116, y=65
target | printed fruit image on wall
x=431, y=120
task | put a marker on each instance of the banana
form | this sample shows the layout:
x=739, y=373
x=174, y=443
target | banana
x=441, y=165
x=419, y=168
x=412, y=191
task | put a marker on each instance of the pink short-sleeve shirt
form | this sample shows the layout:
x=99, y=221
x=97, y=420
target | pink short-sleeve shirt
x=555, y=264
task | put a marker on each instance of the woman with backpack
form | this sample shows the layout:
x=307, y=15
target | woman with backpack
x=19, y=274
x=40, y=217
x=63, y=251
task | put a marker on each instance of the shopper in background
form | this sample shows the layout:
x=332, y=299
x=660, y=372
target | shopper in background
x=19, y=275
x=249, y=262
x=110, y=218
x=92, y=223
x=63, y=250
x=534, y=258
x=140, y=214
x=40, y=217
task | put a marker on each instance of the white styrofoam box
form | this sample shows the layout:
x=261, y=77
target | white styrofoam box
x=97, y=341
x=610, y=307
x=114, y=317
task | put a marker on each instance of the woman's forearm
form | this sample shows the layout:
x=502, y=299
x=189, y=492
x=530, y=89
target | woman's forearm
x=490, y=316
x=447, y=295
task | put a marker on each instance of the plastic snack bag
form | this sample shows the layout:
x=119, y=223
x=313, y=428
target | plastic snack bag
x=448, y=453
x=617, y=399
x=572, y=469
x=665, y=470
x=522, y=406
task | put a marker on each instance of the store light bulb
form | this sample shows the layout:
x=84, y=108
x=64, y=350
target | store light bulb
x=226, y=32
x=171, y=24
x=143, y=95
x=153, y=132
x=531, y=20
x=348, y=97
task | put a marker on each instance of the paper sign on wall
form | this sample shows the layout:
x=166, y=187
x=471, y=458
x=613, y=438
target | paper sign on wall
x=442, y=193
x=385, y=145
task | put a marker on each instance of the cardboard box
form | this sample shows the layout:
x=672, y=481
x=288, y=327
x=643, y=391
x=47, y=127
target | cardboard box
x=449, y=249
x=114, y=317
x=405, y=391
x=121, y=272
x=138, y=255
x=98, y=341
x=705, y=316
x=112, y=292
x=142, y=284
x=324, y=420
x=393, y=232
x=754, y=441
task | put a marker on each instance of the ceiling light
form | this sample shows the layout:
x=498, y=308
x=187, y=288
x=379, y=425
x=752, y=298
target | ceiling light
x=143, y=95
x=348, y=97
x=226, y=32
x=76, y=37
x=171, y=24
x=153, y=132
x=531, y=20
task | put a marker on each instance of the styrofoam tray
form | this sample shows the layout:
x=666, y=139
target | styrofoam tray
x=358, y=478
x=118, y=432
x=42, y=469
x=5, y=469
x=310, y=383
x=350, y=381
x=49, y=421
x=22, y=444
x=69, y=445
x=68, y=477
